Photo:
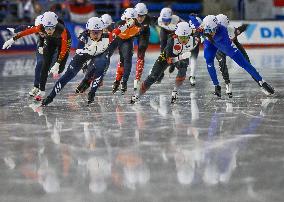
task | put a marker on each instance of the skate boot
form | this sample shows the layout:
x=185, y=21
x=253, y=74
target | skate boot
x=136, y=84
x=91, y=97
x=46, y=101
x=192, y=80
x=39, y=95
x=34, y=91
x=123, y=87
x=218, y=91
x=115, y=86
x=266, y=88
x=83, y=86
x=229, y=90
x=174, y=96
x=134, y=99
x=171, y=68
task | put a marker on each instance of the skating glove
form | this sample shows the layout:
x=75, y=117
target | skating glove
x=40, y=50
x=182, y=56
x=12, y=30
x=129, y=23
x=85, y=50
x=8, y=43
x=88, y=49
x=55, y=68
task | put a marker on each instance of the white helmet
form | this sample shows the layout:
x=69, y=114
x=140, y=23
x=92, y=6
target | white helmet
x=141, y=9
x=107, y=20
x=95, y=23
x=166, y=13
x=223, y=20
x=38, y=20
x=210, y=24
x=129, y=13
x=49, y=19
x=183, y=29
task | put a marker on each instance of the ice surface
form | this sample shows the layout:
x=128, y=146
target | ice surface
x=199, y=149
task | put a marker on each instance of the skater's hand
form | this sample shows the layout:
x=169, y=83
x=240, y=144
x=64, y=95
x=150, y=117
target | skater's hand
x=185, y=55
x=40, y=50
x=8, y=43
x=130, y=22
x=55, y=68
x=83, y=51
x=200, y=29
x=170, y=60
x=79, y=51
x=12, y=30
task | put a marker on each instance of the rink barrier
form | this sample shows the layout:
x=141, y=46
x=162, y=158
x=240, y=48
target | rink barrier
x=259, y=34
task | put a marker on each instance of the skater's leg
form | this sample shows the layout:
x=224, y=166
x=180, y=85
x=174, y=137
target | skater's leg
x=242, y=62
x=72, y=70
x=209, y=55
x=159, y=67
x=142, y=47
x=99, y=64
x=221, y=57
x=127, y=52
x=39, y=62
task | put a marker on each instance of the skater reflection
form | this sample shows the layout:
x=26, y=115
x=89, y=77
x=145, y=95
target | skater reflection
x=214, y=159
x=99, y=169
x=129, y=170
x=163, y=107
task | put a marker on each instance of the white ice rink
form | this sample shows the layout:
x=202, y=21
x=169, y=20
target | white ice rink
x=197, y=150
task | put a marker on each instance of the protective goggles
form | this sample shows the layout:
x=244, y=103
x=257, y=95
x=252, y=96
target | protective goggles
x=49, y=28
x=183, y=38
x=166, y=20
x=95, y=32
x=209, y=31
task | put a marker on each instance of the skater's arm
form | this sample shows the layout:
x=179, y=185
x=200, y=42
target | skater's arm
x=64, y=46
x=123, y=26
x=40, y=41
x=241, y=29
x=28, y=31
x=82, y=40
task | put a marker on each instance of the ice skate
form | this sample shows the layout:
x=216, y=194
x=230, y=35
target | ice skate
x=174, y=96
x=34, y=91
x=91, y=97
x=218, y=91
x=192, y=80
x=123, y=87
x=266, y=88
x=134, y=99
x=136, y=84
x=229, y=90
x=46, y=101
x=39, y=95
x=82, y=87
x=115, y=86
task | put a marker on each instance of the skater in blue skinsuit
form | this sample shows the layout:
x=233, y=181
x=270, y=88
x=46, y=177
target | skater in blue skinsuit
x=217, y=38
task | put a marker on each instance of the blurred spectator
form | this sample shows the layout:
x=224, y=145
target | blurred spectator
x=61, y=10
x=81, y=11
x=28, y=11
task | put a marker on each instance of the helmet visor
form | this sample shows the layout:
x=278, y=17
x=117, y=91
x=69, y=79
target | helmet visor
x=166, y=20
x=183, y=38
x=49, y=28
x=96, y=32
x=209, y=31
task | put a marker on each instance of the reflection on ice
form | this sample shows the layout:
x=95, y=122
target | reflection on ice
x=226, y=150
